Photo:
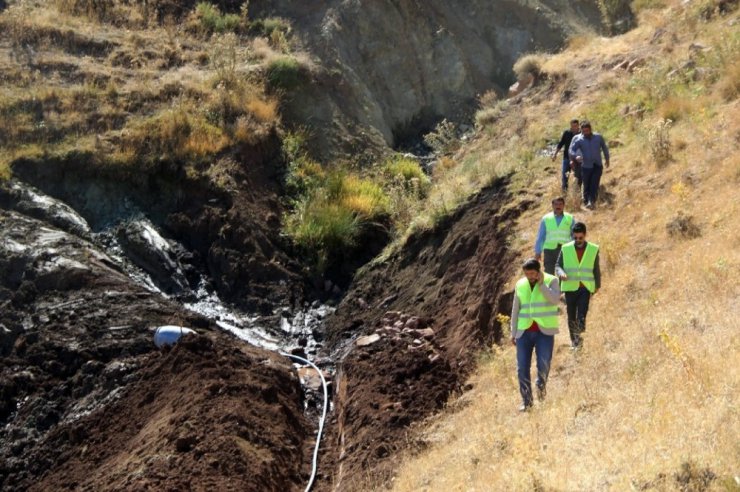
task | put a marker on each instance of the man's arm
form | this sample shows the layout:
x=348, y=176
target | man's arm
x=561, y=144
x=572, y=223
x=574, y=146
x=605, y=149
x=597, y=272
x=551, y=293
x=514, y=316
x=540, y=240
x=559, y=271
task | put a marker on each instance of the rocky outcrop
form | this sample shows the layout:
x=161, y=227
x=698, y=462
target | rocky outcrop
x=143, y=244
x=391, y=69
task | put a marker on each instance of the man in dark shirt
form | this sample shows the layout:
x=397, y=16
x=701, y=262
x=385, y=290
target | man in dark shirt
x=580, y=276
x=564, y=143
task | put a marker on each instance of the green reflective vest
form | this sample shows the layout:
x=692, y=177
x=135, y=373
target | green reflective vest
x=578, y=272
x=534, y=306
x=557, y=234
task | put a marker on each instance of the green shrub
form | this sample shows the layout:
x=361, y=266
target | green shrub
x=443, y=139
x=284, y=73
x=335, y=208
x=212, y=20
x=409, y=173
x=324, y=227
x=266, y=27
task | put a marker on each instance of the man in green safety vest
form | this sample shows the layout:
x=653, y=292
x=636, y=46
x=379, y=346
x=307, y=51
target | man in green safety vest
x=555, y=230
x=580, y=278
x=534, y=322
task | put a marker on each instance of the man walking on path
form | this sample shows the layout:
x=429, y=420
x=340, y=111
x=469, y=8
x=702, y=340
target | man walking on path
x=555, y=230
x=589, y=145
x=580, y=278
x=534, y=322
x=567, y=163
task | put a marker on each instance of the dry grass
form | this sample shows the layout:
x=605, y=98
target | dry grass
x=651, y=402
x=265, y=111
x=139, y=90
x=529, y=64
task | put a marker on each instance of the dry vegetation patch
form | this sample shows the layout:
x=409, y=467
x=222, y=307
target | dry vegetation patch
x=129, y=80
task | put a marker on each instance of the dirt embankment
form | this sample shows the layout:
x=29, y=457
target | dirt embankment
x=228, y=218
x=425, y=313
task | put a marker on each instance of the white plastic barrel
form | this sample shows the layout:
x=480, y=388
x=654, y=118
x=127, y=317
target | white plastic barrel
x=169, y=335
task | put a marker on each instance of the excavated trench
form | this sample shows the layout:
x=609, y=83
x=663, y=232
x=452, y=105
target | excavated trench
x=80, y=297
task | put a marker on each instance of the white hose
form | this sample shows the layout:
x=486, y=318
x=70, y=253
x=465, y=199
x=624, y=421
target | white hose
x=315, y=461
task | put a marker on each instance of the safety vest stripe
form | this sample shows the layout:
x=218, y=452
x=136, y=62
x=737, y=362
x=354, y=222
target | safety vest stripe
x=549, y=312
x=536, y=305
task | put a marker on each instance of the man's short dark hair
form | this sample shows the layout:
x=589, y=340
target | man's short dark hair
x=558, y=199
x=579, y=227
x=574, y=121
x=531, y=264
x=586, y=124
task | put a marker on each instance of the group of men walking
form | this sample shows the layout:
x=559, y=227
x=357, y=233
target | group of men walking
x=582, y=150
x=571, y=273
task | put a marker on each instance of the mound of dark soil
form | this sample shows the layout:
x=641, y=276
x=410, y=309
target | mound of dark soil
x=430, y=309
x=87, y=403
x=205, y=414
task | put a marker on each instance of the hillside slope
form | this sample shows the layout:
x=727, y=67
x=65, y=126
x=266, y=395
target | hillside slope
x=651, y=403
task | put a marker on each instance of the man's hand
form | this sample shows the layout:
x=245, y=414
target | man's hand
x=538, y=256
x=563, y=276
x=554, y=156
x=513, y=341
x=572, y=164
x=606, y=163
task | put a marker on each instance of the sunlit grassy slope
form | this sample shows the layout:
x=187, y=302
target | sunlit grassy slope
x=652, y=401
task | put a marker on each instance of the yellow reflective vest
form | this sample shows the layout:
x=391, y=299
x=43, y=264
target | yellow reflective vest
x=534, y=306
x=578, y=272
x=557, y=234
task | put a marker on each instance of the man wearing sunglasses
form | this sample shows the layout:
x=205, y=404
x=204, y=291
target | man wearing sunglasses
x=580, y=278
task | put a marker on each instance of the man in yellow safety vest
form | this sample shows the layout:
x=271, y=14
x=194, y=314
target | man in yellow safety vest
x=534, y=322
x=580, y=278
x=555, y=230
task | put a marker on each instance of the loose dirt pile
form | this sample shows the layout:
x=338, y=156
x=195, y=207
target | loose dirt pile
x=206, y=414
x=428, y=310
x=86, y=402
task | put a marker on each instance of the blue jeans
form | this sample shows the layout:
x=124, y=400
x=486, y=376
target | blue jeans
x=542, y=344
x=591, y=180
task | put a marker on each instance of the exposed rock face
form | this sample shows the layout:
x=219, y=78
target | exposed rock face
x=153, y=253
x=393, y=68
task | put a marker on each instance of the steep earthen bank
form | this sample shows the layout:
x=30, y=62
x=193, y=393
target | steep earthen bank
x=425, y=314
x=389, y=70
x=226, y=214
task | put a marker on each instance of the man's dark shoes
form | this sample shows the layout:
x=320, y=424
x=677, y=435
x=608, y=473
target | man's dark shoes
x=541, y=393
x=525, y=407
